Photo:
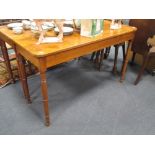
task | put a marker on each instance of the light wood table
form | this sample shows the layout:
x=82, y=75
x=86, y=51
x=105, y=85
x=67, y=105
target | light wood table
x=73, y=46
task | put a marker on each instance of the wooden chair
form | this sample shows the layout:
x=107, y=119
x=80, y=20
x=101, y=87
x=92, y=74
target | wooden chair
x=116, y=55
x=100, y=55
x=150, y=54
x=4, y=52
x=145, y=29
x=104, y=53
x=4, y=49
x=5, y=57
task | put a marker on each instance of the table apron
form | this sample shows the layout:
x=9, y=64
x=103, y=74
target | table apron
x=64, y=56
x=67, y=55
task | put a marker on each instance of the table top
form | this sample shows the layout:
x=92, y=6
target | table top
x=28, y=42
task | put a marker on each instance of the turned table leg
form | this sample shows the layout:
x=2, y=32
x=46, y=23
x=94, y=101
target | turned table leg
x=125, y=63
x=7, y=60
x=22, y=75
x=44, y=90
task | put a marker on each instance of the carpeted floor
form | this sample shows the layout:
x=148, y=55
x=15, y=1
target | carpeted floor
x=82, y=100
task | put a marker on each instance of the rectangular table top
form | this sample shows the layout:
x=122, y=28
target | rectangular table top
x=28, y=42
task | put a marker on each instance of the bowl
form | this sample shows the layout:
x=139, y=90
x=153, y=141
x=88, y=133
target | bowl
x=36, y=33
x=68, y=23
x=26, y=24
x=66, y=30
x=46, y=28
x=48, y=25
x=18, y=30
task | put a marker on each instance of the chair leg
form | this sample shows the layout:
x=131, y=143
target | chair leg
x=101, y=58
x=145, y=61
x=133, y=58
x=123, y=49
x=97, y=57
x=30, y=68
x=92, y=56
x=79, y=58
x=107, y=51
x=153, y=72
x=115, y=60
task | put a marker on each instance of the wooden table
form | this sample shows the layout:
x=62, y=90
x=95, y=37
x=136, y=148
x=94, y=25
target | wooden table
x=73, y=46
